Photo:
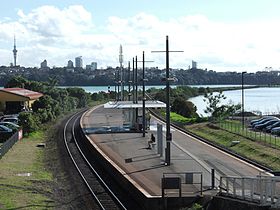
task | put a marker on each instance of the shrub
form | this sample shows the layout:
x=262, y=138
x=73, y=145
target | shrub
x=29, y=122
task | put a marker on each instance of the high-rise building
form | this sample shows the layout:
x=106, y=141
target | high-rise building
x=44, y=64
x=70, y=64
x=92, y=66
x=194, y=64
x=15, y=52
x=79, y=62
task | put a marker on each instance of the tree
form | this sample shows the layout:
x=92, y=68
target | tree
x=44, y=102
x=184, y=107
x=18, y=81
x=80, y=94
x=217, y=110
x=28, y=121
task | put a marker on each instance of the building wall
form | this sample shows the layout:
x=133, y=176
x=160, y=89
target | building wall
x=11, y=97
x=4, y=97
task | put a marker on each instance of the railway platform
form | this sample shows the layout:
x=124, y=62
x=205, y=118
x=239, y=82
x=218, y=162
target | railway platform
x=189, y=176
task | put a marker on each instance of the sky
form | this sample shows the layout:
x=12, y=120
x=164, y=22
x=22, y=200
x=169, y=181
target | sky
x=219, y=35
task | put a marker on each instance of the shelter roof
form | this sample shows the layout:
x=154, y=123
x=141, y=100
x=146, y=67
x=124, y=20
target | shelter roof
x=23, y=92
x=131, y=105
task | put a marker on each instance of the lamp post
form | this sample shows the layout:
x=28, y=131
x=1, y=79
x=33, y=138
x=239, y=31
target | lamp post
x=168, y=80
x=242, y=98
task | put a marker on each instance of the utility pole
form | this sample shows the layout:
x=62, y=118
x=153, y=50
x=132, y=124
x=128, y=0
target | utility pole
x=168, y=80
x=133, y=81
x=242, y=98
x=143, y=96
x=136, y=81
x=129, y=82
x=121, y=72
x=136, y=88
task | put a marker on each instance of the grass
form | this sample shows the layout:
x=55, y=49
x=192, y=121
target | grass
x=17, y=190
x=37, y=191
x=235, y=126
x=179, y=118
x=253, y=150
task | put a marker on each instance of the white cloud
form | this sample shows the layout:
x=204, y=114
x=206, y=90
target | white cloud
x=58, y=35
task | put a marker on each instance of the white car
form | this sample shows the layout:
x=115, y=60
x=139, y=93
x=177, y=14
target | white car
x=11, y=125
x=10, y=119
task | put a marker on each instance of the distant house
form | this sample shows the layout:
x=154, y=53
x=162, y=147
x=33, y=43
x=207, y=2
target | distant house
x=14, y=100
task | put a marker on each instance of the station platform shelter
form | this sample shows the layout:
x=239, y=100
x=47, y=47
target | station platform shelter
x=133, y=112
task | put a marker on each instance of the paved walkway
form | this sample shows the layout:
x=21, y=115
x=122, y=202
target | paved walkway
x=144, y=167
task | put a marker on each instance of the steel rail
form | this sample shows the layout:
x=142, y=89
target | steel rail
x=95, y=173
x=115, y=198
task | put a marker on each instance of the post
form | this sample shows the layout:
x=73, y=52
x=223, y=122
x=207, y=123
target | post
x=168, y=134
x=212, y=178
x=143, y=98
x=129, y=82
x=118, y=81
x=242, y=87
x=121, y=72
x=168, y=79
x=159, y=139
x=133, y=80
x=136, y=90
x=136, y=81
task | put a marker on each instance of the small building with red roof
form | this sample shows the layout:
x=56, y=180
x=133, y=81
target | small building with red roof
x=14, y=100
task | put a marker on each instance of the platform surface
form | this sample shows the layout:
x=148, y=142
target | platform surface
x=129, y=153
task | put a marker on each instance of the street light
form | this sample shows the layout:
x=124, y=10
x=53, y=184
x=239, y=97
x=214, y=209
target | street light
x=242, y=98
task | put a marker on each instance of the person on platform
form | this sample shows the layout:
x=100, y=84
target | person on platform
x=153, y=140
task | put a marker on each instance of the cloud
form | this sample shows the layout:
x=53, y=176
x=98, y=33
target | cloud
x=58, y=35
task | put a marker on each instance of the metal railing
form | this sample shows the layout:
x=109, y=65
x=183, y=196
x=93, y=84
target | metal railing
x=4, y=148
x=256, y=135
x=264, y=190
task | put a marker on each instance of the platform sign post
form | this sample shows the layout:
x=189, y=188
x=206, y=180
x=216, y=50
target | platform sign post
x=159, y=139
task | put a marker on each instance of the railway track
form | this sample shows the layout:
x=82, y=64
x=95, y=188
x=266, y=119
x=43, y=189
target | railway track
x=101, y=193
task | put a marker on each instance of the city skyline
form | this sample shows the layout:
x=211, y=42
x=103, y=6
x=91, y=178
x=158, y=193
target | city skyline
x=223, y=36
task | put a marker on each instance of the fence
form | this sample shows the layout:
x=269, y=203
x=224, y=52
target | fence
x=262, y=189
x=235, y=126
x=4, y=148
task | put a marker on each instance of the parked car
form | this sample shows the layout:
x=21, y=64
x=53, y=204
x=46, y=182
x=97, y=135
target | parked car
x=270, y=127
x=263, y=121
x=265, y=124
x=10, y=125
x=4, y=129
x=5, y=133
x=275, y=131
x=10, y=119
x=263, y=118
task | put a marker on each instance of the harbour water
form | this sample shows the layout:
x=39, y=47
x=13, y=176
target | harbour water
x=265, y=100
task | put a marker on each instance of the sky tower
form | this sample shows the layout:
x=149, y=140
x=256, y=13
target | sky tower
x=121, y=71
x=15, y=52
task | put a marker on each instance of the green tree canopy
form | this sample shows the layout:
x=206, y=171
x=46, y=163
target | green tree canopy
x=216, y=109
x=184, y=107
x=18, y=81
